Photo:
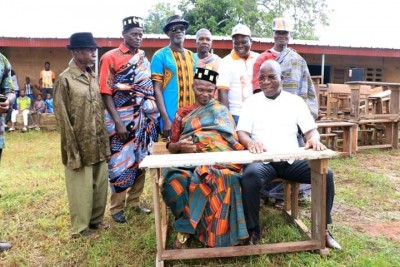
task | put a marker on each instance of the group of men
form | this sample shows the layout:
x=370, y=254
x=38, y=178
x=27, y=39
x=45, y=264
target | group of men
x=175, y=95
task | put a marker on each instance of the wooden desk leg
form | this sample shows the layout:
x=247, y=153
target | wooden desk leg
x=389, y=133
x=156, y=200
x=395, y=141
x=355, y=101
x=319, y=169
x=349, y=139
x=354, y=136
x=295, y=200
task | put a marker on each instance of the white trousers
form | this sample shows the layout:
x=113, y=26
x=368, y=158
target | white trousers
x=25, y=114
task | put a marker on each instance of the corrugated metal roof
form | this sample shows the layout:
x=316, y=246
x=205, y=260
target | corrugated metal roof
x=220, y=42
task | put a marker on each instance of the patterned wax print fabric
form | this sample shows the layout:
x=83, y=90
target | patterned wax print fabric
x=210, y=62
x=297, y=79
x=175, y=72
x=127, y=77
x=206, y=200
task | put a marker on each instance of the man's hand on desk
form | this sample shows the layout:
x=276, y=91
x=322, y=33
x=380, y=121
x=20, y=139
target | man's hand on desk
x=256, y=147
x=315, y=144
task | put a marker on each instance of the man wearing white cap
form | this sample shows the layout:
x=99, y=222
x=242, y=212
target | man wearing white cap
x=296, y=76
x=236, y=70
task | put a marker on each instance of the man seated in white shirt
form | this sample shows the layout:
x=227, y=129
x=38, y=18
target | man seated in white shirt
x=268, y=122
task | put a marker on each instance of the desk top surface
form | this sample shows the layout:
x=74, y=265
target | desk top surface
x=242, y=157
x=374, y=83
x=335, y=124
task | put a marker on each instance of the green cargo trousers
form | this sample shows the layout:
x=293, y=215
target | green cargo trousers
x=87, y=190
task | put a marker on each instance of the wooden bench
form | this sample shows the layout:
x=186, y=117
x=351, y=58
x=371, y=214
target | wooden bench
x=47, y=121
x=347, y=129
x=379, y=103
x=318, y=161
x=329, y=140
x=339, y=99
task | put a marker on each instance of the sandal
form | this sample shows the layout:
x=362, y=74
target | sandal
x=99, y=226
x=181, y=241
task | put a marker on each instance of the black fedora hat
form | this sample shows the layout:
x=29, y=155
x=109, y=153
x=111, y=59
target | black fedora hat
x=175, y=19
x=82, y=40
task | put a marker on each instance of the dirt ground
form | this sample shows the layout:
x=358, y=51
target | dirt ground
x=355, y=218
x=368, y=223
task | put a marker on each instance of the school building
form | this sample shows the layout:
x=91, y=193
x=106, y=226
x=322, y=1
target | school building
x=333, y=63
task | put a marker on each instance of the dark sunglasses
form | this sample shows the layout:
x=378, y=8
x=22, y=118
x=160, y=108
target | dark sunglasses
x=176, y=28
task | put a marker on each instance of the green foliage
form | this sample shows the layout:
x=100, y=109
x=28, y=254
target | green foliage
x=157, y=16
x=221, y=16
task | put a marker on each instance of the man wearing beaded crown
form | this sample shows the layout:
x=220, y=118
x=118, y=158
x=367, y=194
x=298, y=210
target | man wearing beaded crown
x=131, y=116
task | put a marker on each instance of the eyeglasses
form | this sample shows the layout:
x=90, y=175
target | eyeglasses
x=176, y=28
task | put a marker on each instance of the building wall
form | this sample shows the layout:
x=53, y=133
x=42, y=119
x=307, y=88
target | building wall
x=375, y=69
x=30, y=61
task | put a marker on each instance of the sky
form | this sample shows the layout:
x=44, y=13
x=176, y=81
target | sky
x=363, y=23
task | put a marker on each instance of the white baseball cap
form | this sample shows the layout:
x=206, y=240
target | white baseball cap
x=241, y=29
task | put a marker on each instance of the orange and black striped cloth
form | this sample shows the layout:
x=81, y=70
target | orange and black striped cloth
x=206, y=200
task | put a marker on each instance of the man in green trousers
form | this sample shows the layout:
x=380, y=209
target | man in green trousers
x=85, y=148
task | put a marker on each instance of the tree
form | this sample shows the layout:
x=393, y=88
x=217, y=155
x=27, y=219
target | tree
x=305, y=14
x=222, y=15
x=157, y=16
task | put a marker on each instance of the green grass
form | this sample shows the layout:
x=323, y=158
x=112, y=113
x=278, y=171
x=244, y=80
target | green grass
x=34, y=215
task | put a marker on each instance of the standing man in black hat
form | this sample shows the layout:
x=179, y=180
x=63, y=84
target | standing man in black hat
x=79, y=111
x=172, y=70
x=131, y=117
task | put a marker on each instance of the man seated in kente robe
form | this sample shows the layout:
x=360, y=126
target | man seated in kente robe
x=205, y=200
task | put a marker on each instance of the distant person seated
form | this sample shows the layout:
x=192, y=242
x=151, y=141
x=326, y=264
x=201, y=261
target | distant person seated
x=205, y=200
x=49, y=103
x=23, y=107
x=38, y=109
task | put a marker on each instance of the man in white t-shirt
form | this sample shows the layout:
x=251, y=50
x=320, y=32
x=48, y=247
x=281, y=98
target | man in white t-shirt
x=236, y=70
x=268, y=121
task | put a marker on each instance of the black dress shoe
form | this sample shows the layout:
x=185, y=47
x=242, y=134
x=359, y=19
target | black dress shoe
x=253, y=239
x=119, y=217
x=140, y=209
x=4, y=246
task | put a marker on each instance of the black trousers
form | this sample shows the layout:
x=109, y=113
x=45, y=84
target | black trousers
x=255, y=175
